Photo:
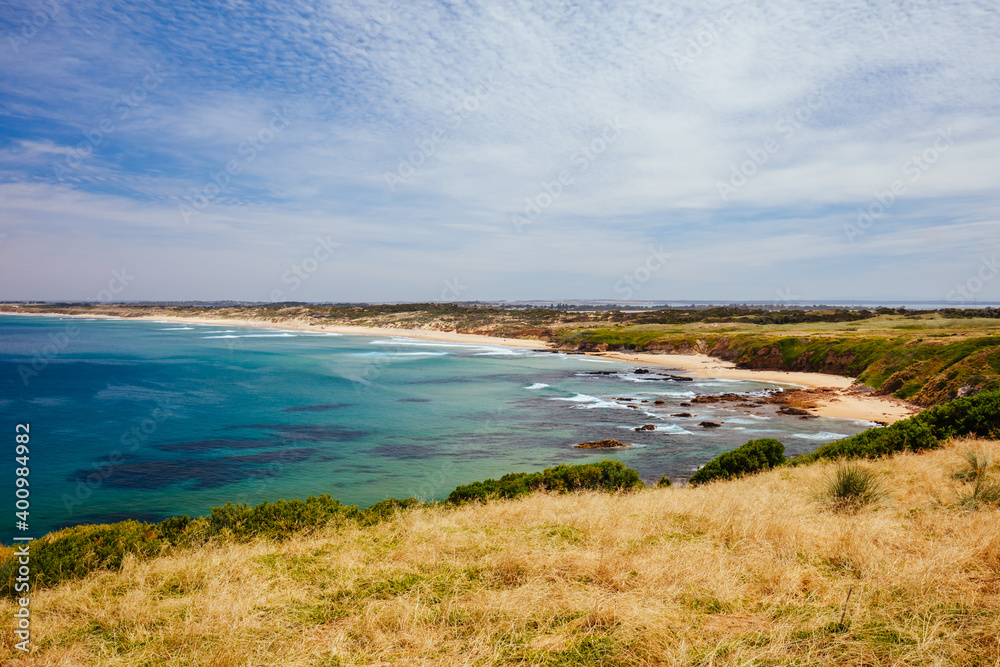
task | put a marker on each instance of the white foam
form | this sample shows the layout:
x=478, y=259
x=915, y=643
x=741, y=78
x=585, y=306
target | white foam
x=177, y=329
x=410, y=342
x=822, y=435
x=390, y=355
x=589, y=402
x=663, y=428
x=579, y=398
x=538, y=385
x=416, y=354
x=275, y=335
x=500, y=352
x=479, y=350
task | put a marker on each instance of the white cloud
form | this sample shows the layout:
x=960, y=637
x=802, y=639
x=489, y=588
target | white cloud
x=487, y=104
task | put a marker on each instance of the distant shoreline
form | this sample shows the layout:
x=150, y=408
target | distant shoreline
x=831, y=394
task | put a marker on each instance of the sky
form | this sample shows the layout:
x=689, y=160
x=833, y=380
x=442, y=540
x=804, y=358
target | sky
x=752, y=150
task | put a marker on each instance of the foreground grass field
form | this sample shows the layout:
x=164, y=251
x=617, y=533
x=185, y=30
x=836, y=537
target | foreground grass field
x=756, y=570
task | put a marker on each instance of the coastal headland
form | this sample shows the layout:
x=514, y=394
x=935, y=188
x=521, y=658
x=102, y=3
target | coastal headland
x=823, y=394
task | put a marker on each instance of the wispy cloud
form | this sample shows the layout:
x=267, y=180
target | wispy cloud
x=482, y=105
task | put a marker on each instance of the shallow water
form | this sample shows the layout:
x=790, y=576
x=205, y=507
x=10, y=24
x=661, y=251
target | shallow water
x=151, y=419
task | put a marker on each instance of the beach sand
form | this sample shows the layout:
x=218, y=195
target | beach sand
x=832, y=394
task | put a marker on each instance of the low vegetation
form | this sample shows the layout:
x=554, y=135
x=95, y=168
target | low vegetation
x=977, y=415
x=754, y=456
x=853, y=487
x=603, y=476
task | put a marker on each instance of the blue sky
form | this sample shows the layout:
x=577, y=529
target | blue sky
x=389, y=151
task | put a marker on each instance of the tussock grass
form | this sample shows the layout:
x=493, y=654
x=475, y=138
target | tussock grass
x=977, y=466
x=853, y=487
x=748, y=571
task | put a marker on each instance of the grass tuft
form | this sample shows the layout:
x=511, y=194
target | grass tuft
x=853, y=487
x=976, y=468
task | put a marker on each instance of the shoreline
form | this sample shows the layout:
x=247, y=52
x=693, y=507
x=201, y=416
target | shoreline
x=831, y=393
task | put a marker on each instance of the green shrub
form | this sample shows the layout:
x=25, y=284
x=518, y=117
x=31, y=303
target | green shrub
x=278, y=519
x=754, y=456
x=76, y=551
x=853, y=487
x=906, y=435
x=386, y=509
x=977, y=415
x=603, y=476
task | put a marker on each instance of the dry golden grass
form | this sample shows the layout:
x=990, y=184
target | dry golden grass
x=754, y=571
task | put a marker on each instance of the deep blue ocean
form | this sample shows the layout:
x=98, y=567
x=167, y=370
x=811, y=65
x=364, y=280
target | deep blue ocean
x=141, y=419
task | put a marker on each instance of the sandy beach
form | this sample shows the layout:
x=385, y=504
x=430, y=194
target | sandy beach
x=832, y=394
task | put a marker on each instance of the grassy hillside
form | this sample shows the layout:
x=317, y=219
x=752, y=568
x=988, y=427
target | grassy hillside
x=751, y=571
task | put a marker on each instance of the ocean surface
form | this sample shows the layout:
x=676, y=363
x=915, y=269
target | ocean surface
x=142, y=419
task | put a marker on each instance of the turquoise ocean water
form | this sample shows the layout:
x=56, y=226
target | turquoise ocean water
x=149, y=419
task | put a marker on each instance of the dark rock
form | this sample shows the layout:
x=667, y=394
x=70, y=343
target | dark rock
x=645, y=427
x=789, y=410
x=640, y=371
x=682, y=414
x=709, y=425
x=602, y=444
x=685, y=405
x=658, y=402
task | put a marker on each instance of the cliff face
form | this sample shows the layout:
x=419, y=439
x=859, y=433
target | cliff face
x=761, y=356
